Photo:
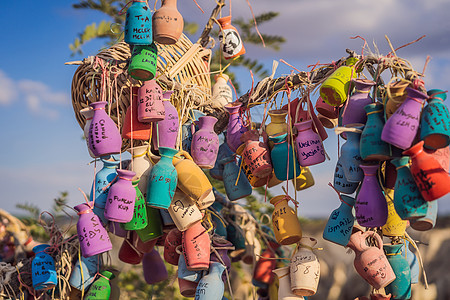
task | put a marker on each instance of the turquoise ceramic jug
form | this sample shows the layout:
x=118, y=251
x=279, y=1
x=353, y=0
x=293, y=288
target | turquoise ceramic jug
x=400, y=288
x=231, y=171
x=341, y=183
x=43, y=272
x=412, y=261
x=350, y=154
x=162, y=180
x=435, y=121
x=103, y=178
x=219, y=225
x=186, y=274
x=211, y=286
x=279, y=155
x=138, y=24
x=408, y=201
x=340, y=223
x=427, y=222
x=371, y=145
x=84, y=271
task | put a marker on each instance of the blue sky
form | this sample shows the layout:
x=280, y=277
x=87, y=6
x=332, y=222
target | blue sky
x=42, y=149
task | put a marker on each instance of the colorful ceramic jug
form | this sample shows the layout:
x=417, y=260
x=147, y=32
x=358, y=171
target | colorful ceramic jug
x=92, y=235
x=394, y=226
x=121, y=198
x=187, y=288
x=334, y=89
x=101, y=288
x=350, y=154
x=264, y=267
x=100, y=186
x=340, y=223
x=427, y=222
x=283, y=157
x=432, y=180
x=230, y=40
x=167, y=23
x=211, y=286
x=235, y=127
x=88, y=114
x=166, y=131
x=138, y=24
x=412, y=261
x=139, y=220
x=43, y=272
x=442, y=156
x=277, y=123
x=326, y=110
x=153, y=230
x=117, y=229
x=104, y=137
x=187, y=130
x=256, y=155
x=254, y=181
x=236, y=237
x=435, y=121
x=285, y=222
x=150, y=107
x=84, y=271
x=408, y=201
x=205, y=143
x=143, y=62
x=305, y=268
x=371, y=208
x=231, y=174
x=162, y=180
x=220, y=255
x=370, y=261
x=221, y=91
x=371, y=145
x=326, y=122
x=172, y=241
x=354, y=109
x=183, y=211
x=154, y=269
x=340, y=182
x=219, y=225
x=143, y=247
x=309, y=146
x=141, y=165
x=192, y=180
x=396, y=97
x=304, y=180
x=400, y=288
x=196, y=247
x=167, y=222
x=401, y=128
x=128, y=252
x=132, y=127
x=284, y=282
x=186, y=274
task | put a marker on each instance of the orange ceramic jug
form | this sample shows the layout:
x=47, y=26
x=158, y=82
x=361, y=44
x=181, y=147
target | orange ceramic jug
x=196, y=247
x=230, y=40
x=167, y=23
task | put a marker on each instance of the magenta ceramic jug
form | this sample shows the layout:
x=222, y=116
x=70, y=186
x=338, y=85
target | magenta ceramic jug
x=205, y=143
x=165, y=132
x=121, y=198
x=309, y=147
x=354, y=109
x=235, y=127
x=150, y=102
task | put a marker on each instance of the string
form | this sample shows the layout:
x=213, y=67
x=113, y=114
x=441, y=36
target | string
x=254, y=20
x=128, y=3
x=419, y=256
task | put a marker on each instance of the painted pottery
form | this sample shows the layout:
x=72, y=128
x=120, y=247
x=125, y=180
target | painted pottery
x=401, y=128
x=400, y=288
x=371, y=145
x=412, y=261
x=167, y=222
x=327, y=122
x=371, y=209
x=264, y=267
x=235, y=182
x=283, y=158
x=43, y=272
x=285, y=222
x=205, y=143
x=432, y=180
x=394, y=226
x=84, y=271
x=150, y=107
x=167, y=23
x=172, y=241
x=397, y=96
x=284, y=282
x=139, y=220
x=308, y=144
x=427, y=222
x=186, y=274
x=326, y=110
x=153, y=230
x=92, y=235
x=121, y=198
x=221, y=91
x=256, y=155
x=187, y=130
x=132, y=127
x=235, y=127
x=101, y=288
x=442, y=156
x=230, y=40
x=141, y=165
x=340, y=223
x=117, y=229
x=128, y=253
x=104, y=137
x=165, y=132
x=304, y=180
x=305, y=268
x=187, y=288
x=277, y=123
x=221, y=247
x=254, y=181
x=138, y=24
x=196, y=247
x=183, y=211
x=350, y=154
x=87, y=113
x=154, y=269
x=354, y=109
x=340, y=182
x=143, y=62
x=435, y=121
x=211, y=286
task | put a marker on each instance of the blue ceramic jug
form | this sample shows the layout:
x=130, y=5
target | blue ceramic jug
x=167, y=221
x=340, y=223
x=43, y=272
x=236, y=237
x=162, y=180
x=138, y=24
x=408, y=201
x=435, y=121
x=224, y=151
x=340, y=181
x=427, y=222
x=412, y=261
x=219, y=225
x=231, y=171
x=400, y=288
x=279, y=155
x=350, y=154
x=103, y=177
x=211, y=286
x=84, y=271
x=185, y=274
x=371, y=145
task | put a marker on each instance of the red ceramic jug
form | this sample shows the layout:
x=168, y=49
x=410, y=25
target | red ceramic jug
x=196, y=247
x=172, y=241
x=264, y=267
x=132, y=128
x=129, y=254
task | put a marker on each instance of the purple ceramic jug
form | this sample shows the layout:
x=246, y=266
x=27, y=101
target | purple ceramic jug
x=154, y=269
x=150, y=102
x=104, y=136
x=121, y=198
x=205, y=143
x=354, y=109
x=371, y=207
x=235, y=127
x=309, y=147
x=92, y=235
x=165, y=132
x=401, y=128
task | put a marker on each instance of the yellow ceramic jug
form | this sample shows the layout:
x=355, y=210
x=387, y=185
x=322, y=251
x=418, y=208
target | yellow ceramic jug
x=286, y=225
x=396, y=96
x=304, y=180
x=394, y=226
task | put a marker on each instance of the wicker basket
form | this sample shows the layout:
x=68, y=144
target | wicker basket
x=184, y=68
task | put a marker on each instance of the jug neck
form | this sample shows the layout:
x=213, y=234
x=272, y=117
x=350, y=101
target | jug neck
x=167, y=153
x=363, y=85
x=207, y=122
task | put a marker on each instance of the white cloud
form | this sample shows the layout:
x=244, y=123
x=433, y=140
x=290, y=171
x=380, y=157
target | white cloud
x=39, y=98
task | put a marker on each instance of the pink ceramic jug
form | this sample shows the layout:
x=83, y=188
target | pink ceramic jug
x=196, y=247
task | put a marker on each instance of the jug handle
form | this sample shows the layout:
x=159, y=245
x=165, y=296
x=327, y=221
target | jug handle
x=153, y=158
x=184, y=154
x=376, y=236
